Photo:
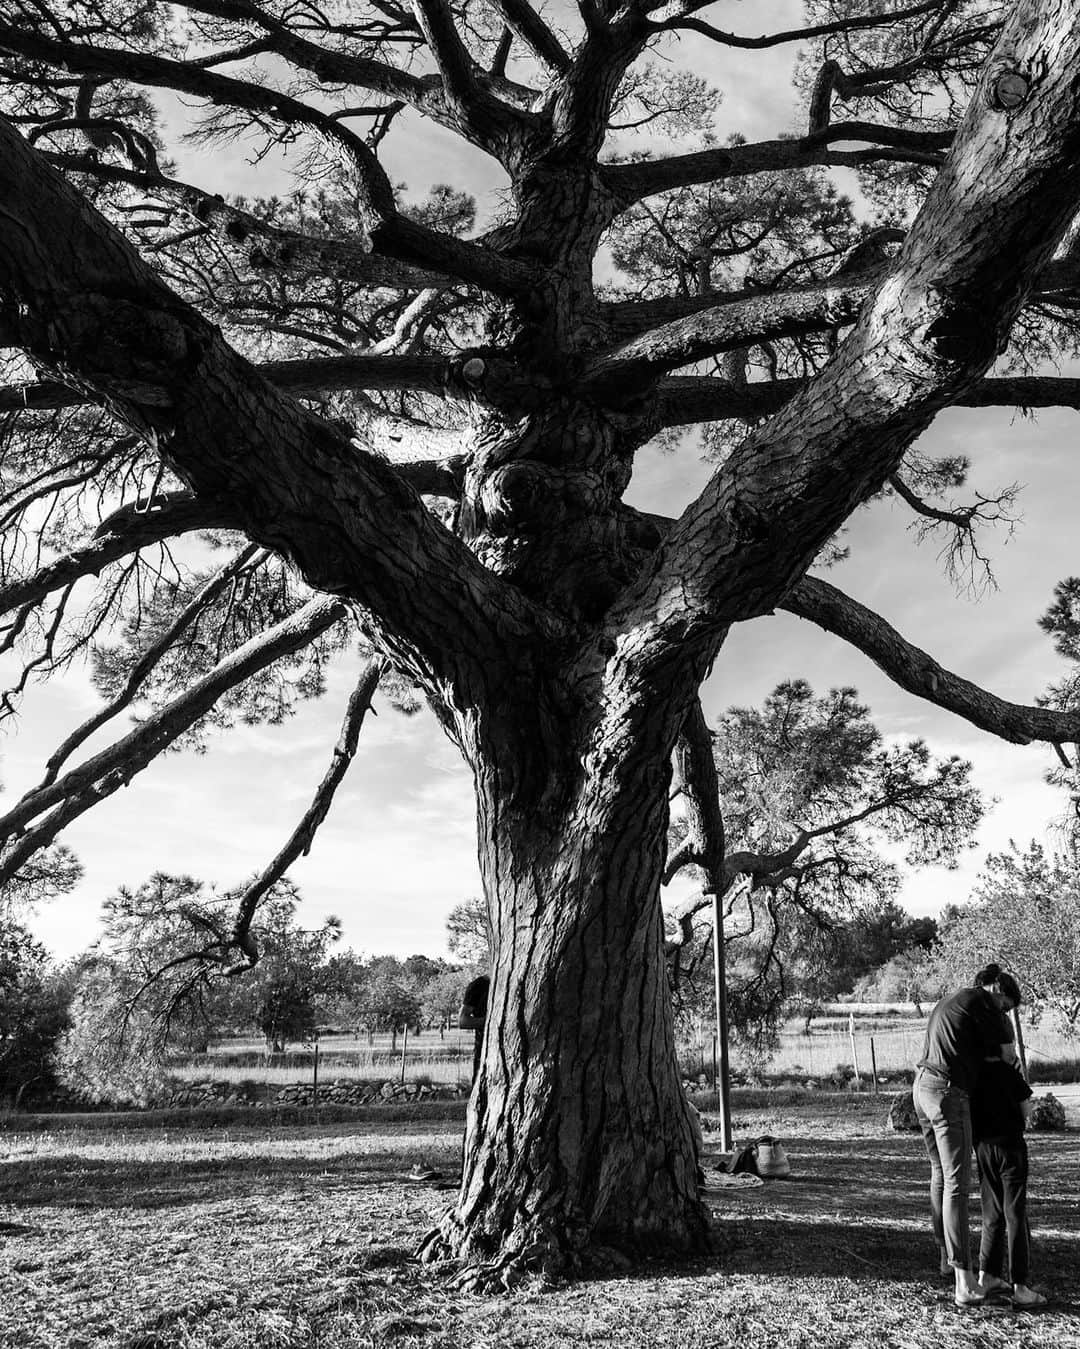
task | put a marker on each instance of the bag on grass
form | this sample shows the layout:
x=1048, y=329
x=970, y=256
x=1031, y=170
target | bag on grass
x=772, y=1160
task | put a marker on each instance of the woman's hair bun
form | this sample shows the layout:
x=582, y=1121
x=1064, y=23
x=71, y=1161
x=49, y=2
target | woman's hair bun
x=989, y=975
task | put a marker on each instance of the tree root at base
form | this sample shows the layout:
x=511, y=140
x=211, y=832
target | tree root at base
x=545, y=1251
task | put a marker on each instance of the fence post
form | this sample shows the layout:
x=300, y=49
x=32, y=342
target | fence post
x=404, y=1046
x=873, y=1066
x=315, y=1076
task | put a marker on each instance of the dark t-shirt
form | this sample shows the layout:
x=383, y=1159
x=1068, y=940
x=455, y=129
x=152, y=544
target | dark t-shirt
x=995, y=1103
x=963, y=1030
x=474, y=1001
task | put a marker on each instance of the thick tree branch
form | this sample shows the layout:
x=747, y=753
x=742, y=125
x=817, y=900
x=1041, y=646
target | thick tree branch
x=849, y=25
x=491, y=381
x=223, y=90
x=264, y=246
x=234, y=438
x=389, y=234
x=914, y=670
x=687, y=399
x=715, y=328
x=998, y=209
x=527, y=24
x=631, y=182
x=583, y=100
x=638, y=324
x=330, y=65
x=473, y=109
x=703, y=845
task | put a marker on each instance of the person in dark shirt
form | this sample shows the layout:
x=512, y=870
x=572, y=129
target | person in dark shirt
x=473, y=1016
x=964, y=1030
x=999, y=1108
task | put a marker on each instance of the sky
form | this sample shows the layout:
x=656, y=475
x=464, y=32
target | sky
x=398, y=849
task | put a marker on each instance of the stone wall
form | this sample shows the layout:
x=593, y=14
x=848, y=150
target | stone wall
x=339, y=1091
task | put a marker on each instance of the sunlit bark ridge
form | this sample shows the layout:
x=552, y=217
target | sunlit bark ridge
x=560, y=637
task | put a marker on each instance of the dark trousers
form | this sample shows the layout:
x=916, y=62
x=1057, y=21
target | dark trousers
x=1003, y=1178
x=944, y=1115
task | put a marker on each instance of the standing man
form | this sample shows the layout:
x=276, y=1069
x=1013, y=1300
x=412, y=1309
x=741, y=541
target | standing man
x=964, y=1030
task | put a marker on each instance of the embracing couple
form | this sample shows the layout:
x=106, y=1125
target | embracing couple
x=968, y=1092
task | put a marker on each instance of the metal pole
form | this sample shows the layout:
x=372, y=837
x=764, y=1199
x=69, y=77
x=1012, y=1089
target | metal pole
x=404, y=1046
x=315, y=1077
x=1020, y=1050
x=716, y=1068
x=873, y=1065
x=854, y=1051
x=723, y=1085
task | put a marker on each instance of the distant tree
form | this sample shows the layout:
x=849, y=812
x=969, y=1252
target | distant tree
x=1025, y=914
x=112, y=1051
x=468, y=931
x=286, y=1010
x=441, y=998
x=911, y=976
x=810, y=791
x=342, y=980
x=33, y=1014
x=145, y=992
x=389, y=999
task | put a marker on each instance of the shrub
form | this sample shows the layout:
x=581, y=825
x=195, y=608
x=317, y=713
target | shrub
x=1048, y=1113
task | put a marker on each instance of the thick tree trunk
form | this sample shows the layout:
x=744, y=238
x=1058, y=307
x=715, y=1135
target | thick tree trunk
x=578, y=1137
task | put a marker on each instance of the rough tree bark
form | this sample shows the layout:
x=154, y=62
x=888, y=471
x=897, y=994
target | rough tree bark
x=560, y=637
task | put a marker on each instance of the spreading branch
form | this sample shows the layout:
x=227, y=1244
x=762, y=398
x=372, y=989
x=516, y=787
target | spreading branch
x=233, y=437
x=688, y=399
x=632, y=181
x=919, y=673
x=118, y=536
x=56, y=805
x=247, y=559
x=300, y=840
x=989, y=225
x=849, y=25
x=527, y=24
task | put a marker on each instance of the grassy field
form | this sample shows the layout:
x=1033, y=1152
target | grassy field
x=141, y=1232
x=445, y=1058
x=896, y=1035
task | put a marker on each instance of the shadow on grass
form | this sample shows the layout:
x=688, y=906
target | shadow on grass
x=73, y=1181
x=220, y=1117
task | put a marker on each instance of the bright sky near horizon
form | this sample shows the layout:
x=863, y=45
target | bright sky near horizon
x=398, y=849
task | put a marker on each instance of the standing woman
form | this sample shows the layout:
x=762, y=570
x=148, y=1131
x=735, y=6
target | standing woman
x=964, y=1029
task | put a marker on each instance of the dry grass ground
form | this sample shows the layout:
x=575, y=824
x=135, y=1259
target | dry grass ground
x=171, y=1237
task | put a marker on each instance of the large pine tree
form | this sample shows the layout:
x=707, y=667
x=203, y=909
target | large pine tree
x=433, y=429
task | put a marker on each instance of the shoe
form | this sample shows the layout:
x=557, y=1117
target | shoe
x=991, y=1284
x=422, y=1172
x=1028, y=1299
